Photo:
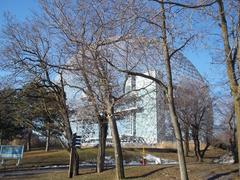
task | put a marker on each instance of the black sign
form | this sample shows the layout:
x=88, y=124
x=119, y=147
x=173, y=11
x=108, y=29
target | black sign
x=76, y=141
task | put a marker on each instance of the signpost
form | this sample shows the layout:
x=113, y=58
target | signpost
x=11, y=152
x=77, y=141
x=74, y=160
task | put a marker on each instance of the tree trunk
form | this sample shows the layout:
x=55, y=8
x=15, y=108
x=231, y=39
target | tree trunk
x=235, y=148
x=197, y=150
x=233, y=136
x=237, y=114
x=76, y=167
x=68, y=131
x=61, y=98
x=29, y=138
x=202, y=152
x=71, y=162
x=103, y=126
x=194, y=136
x=230, y=63
x=186, y=142
x=172, y=110
x=179, y=143
x=197, y=146
x=47, y=140
x=72, y=150
x=1, y=137
x=116, y=144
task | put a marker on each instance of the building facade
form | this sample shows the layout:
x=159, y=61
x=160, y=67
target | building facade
x=146, y=115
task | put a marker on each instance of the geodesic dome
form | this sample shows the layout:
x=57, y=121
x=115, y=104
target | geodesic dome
x=146, y=117
x=182, y=68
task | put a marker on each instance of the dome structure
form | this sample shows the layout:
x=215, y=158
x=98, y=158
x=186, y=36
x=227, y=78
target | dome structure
x=146, y=116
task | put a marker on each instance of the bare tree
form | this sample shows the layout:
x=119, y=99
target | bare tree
x=85, y=37
x=227, y=132
x=229, y=22
x=183, y=103
x=194, y=108
x=231, y=44
x=170, y=98
x=27, y=50
x=157, y=22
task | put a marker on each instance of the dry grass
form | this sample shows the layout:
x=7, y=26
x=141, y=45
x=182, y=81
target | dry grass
x=39, y=158
x=196, y=170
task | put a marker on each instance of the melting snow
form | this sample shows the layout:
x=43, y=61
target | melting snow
x=156, y=160
x=225, y=159
x=150, y=160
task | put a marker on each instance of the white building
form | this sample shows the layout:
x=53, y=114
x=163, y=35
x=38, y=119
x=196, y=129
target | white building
x=147, y=116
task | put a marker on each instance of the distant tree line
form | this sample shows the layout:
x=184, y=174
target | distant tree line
x=28, y=110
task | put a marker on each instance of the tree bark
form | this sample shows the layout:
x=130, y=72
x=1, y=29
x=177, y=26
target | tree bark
x=237, y=114
x=197, y=150
x=103, y=126
x=1, y=137
x=179, y=143
x=68, y=131
x=233, y=136
x=47, y=140
x=186, y=142
x=235, y=148
x=76, y=167
x=116, y=143
x=197, y=146
x=29, y=138
x=72, y=155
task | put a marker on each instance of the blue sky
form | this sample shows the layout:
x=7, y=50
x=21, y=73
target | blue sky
x=20, y=8
x=200, y=58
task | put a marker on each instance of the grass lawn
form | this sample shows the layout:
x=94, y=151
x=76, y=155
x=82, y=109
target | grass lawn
x=56, y=157
x=196, y=171
x=39, y=158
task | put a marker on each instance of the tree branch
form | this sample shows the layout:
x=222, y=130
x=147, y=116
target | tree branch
x=185, y=5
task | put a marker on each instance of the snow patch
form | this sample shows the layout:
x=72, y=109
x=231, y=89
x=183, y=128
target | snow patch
x=152, y=158
x=156, y=160
x=134, y=163
x=225, y=159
